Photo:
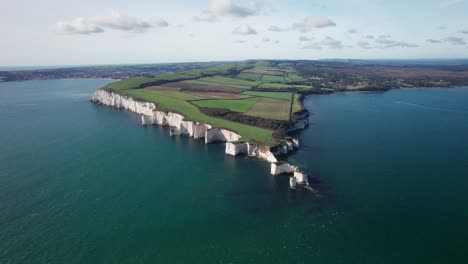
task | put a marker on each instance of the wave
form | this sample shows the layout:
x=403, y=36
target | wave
x=433, y=108
x=411, y=104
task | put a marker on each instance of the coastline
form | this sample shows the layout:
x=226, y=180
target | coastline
x=234, y=146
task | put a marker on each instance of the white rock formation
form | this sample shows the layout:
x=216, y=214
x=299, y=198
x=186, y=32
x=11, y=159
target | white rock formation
x=282, y=168
x=251, y=150
x=214, y=135
x=151, y=116
x=295, y=142
x=301, y=178
x=292, y=182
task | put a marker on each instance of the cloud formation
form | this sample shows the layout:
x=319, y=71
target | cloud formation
x=244, y=29
x=364, y=45
x=327, y=42
x=229, y=8
x=78, y=26
x=434, y=41
x=205, y=16
x=98, y=24
x=304, y=38
x=455, y=41
x=450, y=40
x=385, y=42
x=313, y=22
x=352, y=31
x=463, y=31
x=277, y=29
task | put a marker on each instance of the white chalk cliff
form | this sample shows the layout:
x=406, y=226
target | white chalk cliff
x=151, y=116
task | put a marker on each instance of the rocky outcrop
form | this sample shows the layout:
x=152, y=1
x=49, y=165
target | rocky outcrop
x=282, y=168
x=301, y=177
x=250, y=150
x=262, y=152
x=214, y=135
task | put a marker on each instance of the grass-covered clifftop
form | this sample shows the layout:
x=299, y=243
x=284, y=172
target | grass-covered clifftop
x=225, y=96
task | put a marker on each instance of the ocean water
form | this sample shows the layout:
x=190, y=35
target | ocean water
x=81, y=183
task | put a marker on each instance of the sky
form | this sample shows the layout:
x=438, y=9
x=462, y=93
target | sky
x=89, y=32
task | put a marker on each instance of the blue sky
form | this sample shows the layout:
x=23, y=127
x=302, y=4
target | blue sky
x=61, y=32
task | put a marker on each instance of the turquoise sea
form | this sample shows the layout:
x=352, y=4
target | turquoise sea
x=81, y=183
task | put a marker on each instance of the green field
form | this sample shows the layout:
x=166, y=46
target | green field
x=250, y=76
x=272, y=78
x=177, y=95
x=276, y=95
x=294, y=78
x=237, y=105
x=297, y=106
x=224, y=81
x=270, y=108
x=283, y=86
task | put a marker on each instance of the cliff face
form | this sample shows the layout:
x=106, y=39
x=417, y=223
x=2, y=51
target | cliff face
x=151, y=116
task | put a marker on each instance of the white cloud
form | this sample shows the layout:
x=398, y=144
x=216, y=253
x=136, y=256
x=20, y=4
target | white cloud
x=229, y=8
x=327, y=42
x=159, y=22
x=455, y=41
x=239, y=41
x=434, y=41
x=265, y=39
x=352, y=31
x=368, y=37
x=277, y=29
x=244, y=29
x=463, y=31
x=304, y=38
x=364, y=45
x=78, y=26
x=313, y=22
x=450, y=40
x=116, y=21
x=385, y=41
x=206, y=16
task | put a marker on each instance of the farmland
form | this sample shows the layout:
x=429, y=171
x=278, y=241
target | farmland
x=225, y=96
x=270, y=108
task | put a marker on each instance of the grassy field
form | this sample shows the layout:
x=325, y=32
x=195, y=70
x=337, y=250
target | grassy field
x=284, y=86
x=270, y=108
x=238, y=105
x=224, y=81
x=296, y=104
x=221, y=87
x=294, y=78
x=250, y=76
x=272, y=78
x=276, y=95
x=177, y=95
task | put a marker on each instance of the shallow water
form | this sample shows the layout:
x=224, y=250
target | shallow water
x=81, y=183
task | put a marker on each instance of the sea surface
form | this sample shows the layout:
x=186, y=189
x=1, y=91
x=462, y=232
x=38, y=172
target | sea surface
x=81, y=183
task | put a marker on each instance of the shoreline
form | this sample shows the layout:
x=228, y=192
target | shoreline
x=150, y=115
